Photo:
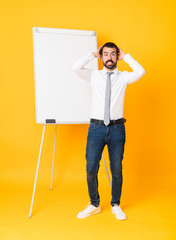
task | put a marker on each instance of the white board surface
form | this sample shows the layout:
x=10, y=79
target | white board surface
x=60, y=94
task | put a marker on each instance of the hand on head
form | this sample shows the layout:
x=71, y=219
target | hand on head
x=120, y=55
x=97, y=53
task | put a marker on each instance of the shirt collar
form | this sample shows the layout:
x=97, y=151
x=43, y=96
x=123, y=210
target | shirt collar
x=104, y=71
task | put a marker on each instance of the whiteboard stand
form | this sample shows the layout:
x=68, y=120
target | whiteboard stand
x=53, y=157
x=41, y=145
x=44, y=126
x=106, y=171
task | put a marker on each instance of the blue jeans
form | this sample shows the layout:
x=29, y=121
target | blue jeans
x=98, y=137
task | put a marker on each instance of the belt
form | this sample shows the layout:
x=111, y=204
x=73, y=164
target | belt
x=112, y=122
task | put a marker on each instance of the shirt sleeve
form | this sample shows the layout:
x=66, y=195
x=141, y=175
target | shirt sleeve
x=80, y=70
x=138, y=70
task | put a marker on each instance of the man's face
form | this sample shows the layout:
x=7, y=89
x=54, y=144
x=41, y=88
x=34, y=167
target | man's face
x=109, y=58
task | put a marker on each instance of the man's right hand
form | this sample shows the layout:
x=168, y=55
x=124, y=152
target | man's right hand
x=97, y=53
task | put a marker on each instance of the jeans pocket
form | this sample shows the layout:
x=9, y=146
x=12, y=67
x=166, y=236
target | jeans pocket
x=93, y=126
x=120, y=126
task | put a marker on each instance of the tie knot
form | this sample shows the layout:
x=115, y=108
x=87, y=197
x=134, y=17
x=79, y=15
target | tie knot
x=109, y=73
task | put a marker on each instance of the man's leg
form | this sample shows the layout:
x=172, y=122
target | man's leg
x=94, y=148
x=116, y=142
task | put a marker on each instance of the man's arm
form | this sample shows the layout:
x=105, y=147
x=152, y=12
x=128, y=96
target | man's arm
x=138, y=70
x=79, y=69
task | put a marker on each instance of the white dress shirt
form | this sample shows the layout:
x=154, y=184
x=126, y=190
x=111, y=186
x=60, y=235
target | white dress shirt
x=119, y=82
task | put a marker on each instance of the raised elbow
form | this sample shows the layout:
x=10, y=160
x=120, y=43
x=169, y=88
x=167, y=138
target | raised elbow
x=142, y=72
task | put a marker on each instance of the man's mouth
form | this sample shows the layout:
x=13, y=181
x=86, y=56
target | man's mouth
x=109, y=62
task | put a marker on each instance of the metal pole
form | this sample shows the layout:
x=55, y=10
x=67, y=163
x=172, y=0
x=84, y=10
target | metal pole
x=106, y=171
x=53, y=158
x=37, y=170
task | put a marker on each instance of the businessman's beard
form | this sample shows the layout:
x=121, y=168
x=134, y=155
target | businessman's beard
x=111, y=66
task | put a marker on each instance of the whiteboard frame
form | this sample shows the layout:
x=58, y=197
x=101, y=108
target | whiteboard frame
x=42, y=30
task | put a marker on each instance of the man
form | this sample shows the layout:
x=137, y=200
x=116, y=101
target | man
x=107, y=123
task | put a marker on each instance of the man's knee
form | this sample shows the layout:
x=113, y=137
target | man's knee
x=92, y=171
x=116, y=171
x=91, y=174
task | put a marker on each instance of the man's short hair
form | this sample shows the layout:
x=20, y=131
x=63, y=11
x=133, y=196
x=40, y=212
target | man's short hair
x=109, y=45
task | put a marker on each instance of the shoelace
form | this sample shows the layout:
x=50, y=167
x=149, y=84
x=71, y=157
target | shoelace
x=87, y=205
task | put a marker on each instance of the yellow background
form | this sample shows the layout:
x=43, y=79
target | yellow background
x=146, y=30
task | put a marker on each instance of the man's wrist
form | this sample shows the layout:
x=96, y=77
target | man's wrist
x=93, y=54
x=124, y=56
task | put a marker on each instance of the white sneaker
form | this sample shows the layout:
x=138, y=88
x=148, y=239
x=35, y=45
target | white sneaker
x=90, y=210
x=118, y=212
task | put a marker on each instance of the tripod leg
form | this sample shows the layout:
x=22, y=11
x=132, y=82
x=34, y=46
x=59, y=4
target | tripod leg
x=106, y=170
x=37, y=170
x=53, y=158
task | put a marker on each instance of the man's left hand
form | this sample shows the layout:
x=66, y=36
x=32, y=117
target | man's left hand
x=121, y=54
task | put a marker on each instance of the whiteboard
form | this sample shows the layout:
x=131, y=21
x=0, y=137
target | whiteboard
x=62, y=97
